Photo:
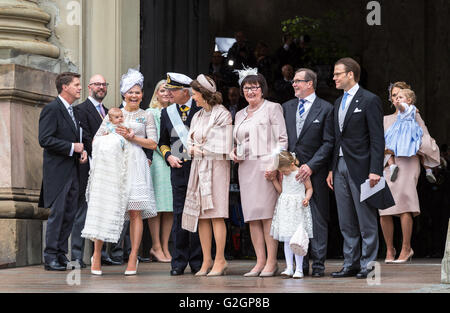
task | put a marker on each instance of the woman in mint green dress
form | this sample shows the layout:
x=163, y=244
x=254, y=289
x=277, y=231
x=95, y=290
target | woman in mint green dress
x=160, y=226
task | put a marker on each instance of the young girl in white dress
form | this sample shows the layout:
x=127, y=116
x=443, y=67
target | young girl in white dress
x=404, y=137
x=292, y=209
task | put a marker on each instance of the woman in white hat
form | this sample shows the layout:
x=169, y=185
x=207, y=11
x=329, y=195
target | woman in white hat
x=141, y=133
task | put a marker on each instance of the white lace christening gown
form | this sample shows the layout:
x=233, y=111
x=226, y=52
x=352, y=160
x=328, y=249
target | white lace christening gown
x=140, y=192
x=289, y=210
x=106, y=191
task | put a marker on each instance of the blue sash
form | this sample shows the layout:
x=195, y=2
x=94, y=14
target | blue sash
x=178, y=124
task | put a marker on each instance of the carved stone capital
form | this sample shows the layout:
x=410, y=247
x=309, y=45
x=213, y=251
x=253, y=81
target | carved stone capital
x=23, y=28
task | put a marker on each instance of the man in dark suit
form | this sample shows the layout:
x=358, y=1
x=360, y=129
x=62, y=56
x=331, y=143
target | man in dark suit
x=310, y=128
x=283, y=87
x=172, y=143
x=358, y=155
x=91, y=114
x=59, y=135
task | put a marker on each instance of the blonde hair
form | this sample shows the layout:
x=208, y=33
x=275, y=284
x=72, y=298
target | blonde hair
x=285, y=159
x=411, y=95
x=154, y=103
x=113, y=111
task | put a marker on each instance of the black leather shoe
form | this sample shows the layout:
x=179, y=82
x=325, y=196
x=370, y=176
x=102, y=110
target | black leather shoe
x=144, y=260
x=54, y=266
x=62, y=259
x=364, y=273
x=80, y=262
x=345, y=272
x=306, y=271
x=317, y=273
x=176, y=272
x=109, y=261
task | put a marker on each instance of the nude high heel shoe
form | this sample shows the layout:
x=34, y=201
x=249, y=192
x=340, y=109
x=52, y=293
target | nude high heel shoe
x=95, y=272
x=269, y=274
x=390, y=261
x=409, y=258
x=220, y=273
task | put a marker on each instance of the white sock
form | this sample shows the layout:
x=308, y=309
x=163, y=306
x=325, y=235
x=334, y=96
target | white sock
x=429, y=171
x=289, y=256
x=298, y=263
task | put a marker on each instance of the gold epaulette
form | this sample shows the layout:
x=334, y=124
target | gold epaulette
x=164, y=150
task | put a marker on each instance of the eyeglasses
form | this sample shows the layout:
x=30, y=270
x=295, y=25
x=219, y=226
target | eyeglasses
x=338, y=74
x=254, y=89
x=99, y=84
x=298, y=81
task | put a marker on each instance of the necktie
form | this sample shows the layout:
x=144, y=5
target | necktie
x=70, y=109
x=101, y=110
x=344, y=101
x=301, y=107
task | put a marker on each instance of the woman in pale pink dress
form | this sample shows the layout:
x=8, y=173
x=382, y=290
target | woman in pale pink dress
x=209, y=142
x=404, y=188
x=259, y=134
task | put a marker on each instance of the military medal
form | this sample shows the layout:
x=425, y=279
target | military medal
x=184, y=110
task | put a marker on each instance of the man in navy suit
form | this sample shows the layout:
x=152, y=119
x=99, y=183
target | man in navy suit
x=310, y=128
x=187, y=248
x=358, y=155
x=59, y=135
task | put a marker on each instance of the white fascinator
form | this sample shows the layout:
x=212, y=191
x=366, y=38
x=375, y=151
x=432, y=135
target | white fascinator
x=246, y=71
x=132, y=78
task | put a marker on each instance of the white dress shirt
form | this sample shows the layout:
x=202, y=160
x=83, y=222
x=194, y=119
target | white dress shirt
x=309, y=100
x=351, y=93
x=67, y=105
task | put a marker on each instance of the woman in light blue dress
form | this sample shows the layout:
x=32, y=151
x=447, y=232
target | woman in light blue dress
x=160, y=226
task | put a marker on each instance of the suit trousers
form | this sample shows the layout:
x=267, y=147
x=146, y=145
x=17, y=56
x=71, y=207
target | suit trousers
x=77, y=242
x=356, y=220
x=121, y=250
x=61, y=219
x=320, y=211
x=187, y=248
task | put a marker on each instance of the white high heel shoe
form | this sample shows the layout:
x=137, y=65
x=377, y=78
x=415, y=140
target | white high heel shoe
x=132, y=273
x=95, y=272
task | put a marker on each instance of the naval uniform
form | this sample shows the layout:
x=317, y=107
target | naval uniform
x=187, y=248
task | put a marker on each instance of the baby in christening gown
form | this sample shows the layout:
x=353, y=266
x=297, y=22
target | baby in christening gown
x=106, y=192
x=404, y=137
x=115, y=119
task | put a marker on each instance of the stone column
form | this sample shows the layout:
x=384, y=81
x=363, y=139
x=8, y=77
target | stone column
x=445, y=272
x=23, y=92
x=23, y=28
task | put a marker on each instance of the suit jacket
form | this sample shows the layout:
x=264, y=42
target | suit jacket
x=57, y=132
x=362, y=142
x=90, y=121
x=168, y=136
x=315, y=144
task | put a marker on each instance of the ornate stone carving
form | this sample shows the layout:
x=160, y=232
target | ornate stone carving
x=23, y=28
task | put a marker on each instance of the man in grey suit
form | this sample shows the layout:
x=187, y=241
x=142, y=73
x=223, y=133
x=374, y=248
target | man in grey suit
x=358, y=155
x=310, y=128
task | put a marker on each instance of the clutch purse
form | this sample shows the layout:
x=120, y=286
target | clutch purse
x=299, y=241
